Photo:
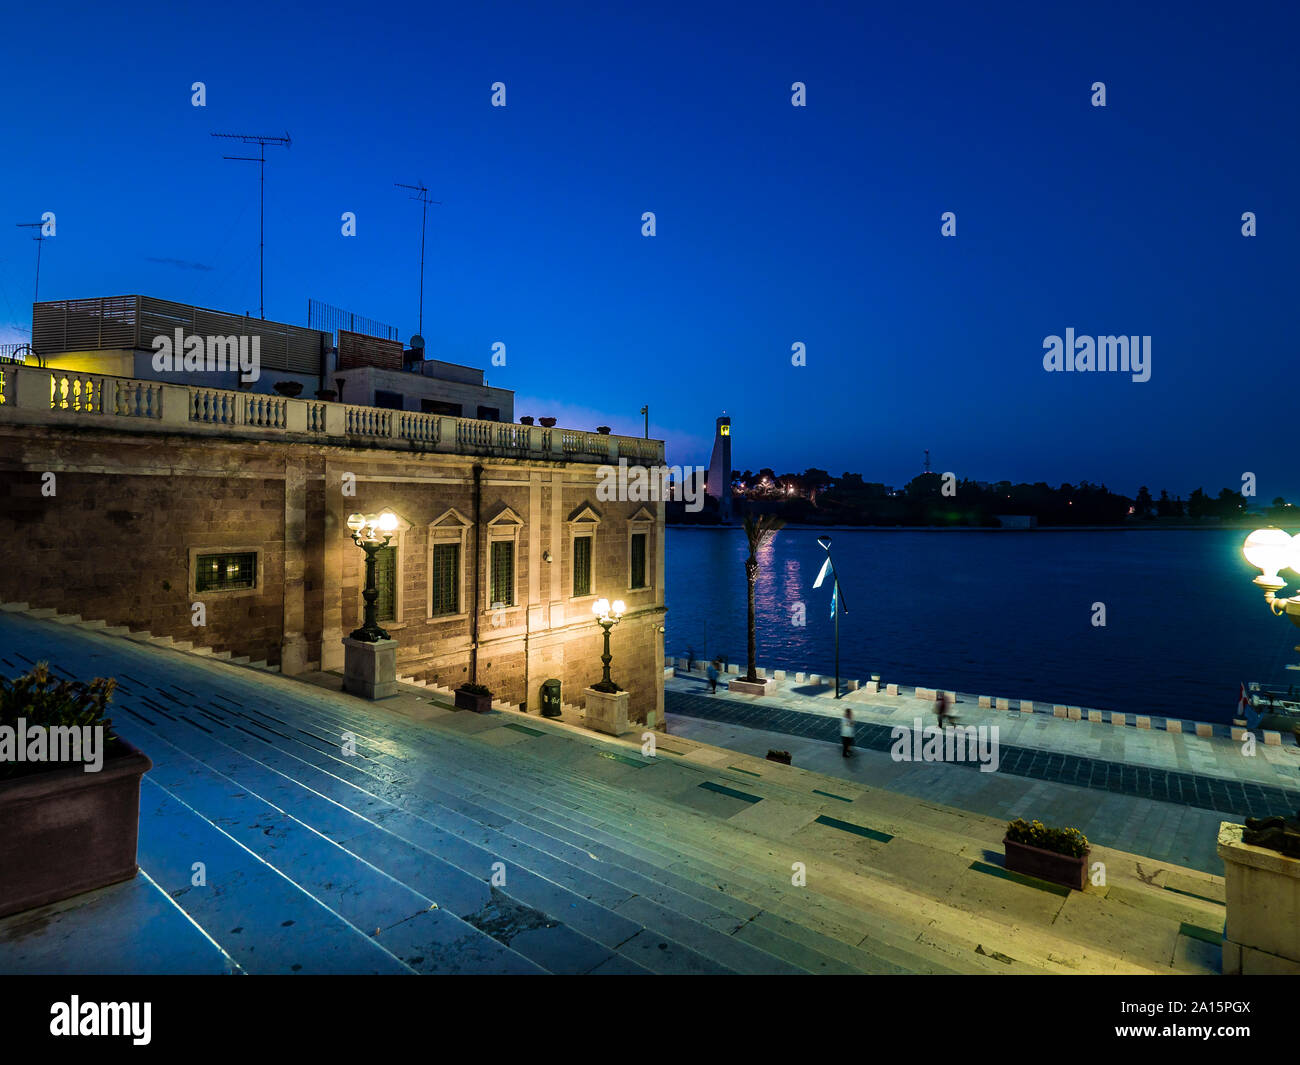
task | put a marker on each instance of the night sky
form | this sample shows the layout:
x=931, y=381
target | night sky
x=775, y=224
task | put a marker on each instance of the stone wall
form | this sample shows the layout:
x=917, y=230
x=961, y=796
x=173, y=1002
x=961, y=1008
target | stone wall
x=115, y=542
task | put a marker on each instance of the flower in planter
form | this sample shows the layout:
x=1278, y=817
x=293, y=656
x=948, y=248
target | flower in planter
x=603, y=430
x=38, y=702
x=289, y=388
x=475, y=689
x=1068, y=841
x=527, y=419
x=548, y=423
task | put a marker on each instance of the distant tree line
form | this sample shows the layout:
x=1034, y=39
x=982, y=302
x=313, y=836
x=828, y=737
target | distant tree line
x=932, y=499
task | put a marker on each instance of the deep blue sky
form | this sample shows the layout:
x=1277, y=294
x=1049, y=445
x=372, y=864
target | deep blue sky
x=775, y=224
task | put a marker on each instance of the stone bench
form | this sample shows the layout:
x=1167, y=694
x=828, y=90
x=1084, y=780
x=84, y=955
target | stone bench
x=1272, y=739
x=1075, y=713
x=1143, y=722
x=891, y=689
x=1094, y=715
x=928, y=694
x=1058, y=711
x=1173, y=725
x=1026, y=706
x=986, y=702
x=778, y=674
x=1004, y=704
x=800, y=678
x=1204, y=729
x=1117, y=718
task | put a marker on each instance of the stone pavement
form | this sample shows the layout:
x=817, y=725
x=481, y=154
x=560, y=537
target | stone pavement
x=456, y=842
x=1155, y=793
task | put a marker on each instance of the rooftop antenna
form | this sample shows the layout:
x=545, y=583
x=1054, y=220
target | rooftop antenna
x=927, y=460
x=260, y=159
x=422, y=194
x=40, y=239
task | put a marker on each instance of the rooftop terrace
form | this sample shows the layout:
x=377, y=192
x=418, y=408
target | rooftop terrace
x=43, y=396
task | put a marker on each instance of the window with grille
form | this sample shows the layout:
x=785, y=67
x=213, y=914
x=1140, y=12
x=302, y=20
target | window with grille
x=446, y=579
x=639, y=543
x=221, y=573
x=582, y=565
x=502, y=588
x=386, y=584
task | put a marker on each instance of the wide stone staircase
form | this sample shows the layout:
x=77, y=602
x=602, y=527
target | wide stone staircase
x=294, y=829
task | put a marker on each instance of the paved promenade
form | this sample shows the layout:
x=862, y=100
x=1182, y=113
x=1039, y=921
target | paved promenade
x=1151, y=792
x=450, y=842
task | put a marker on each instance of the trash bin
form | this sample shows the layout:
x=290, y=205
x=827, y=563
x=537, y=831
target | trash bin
x=551, y=698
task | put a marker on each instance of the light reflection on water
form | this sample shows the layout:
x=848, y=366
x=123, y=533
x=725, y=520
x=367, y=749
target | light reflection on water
x=996, y=613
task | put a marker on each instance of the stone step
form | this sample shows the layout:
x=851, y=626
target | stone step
x=911, y=960
x=405, y=923
x=299, y=797
x=663, y=917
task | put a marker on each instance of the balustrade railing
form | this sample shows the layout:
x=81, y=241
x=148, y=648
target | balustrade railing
x=68, y=393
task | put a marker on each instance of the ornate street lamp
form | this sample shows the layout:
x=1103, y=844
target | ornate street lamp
x=1270, y=550
x=366, y=532
x=837, y=601
x=607, y=616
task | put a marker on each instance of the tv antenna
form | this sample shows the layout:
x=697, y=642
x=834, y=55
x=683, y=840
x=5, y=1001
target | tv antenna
x=927, y=460
x=260, y=159
x=40, y=239
x=421, y=194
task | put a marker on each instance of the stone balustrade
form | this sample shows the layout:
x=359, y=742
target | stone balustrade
x=53, y=396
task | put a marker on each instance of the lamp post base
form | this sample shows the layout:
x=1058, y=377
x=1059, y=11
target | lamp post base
x=607, y=711
x=370, y=668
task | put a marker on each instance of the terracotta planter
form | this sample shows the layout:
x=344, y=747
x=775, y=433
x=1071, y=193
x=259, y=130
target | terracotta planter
x=66, y=831
x=1047, y=865
x=480, y=704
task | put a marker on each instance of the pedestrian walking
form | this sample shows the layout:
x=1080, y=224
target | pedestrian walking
x=712, y=673
x=846, y=733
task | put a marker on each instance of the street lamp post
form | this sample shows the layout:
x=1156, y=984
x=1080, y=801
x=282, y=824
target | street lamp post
x=607, y=616
x=366, y=532
x=837, y=601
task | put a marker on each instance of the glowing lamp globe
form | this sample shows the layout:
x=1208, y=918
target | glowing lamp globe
x=388, y=522
x=1269, y=550
x=600, y=607
x=619, y=607
x=356, y=522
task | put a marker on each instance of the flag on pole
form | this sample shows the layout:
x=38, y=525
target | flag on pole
x=1246, y=709
x=835, y=596
x=826, y=566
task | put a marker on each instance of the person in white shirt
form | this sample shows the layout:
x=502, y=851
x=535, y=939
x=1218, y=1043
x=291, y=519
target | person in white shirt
x=846, y=732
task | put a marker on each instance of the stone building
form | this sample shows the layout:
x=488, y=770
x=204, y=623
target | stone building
x=154, y=505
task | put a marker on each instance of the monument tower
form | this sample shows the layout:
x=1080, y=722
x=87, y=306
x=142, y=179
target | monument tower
x=718, y=485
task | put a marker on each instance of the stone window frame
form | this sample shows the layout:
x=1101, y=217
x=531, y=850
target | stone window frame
x=585, y=521
x=642, y=522
x=259, y=565
x=450, y=527
x=399, y=577
x=505, y=526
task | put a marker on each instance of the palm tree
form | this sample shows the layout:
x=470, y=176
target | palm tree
x=760, y=531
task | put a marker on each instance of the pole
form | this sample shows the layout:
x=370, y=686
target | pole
x=261, y=238
x=837, y=638
x=424, y=225
x=39, y=242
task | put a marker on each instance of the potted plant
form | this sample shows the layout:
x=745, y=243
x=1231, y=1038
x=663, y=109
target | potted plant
x=288, y=388
x=548, y=423
x=1059, y=855
x=66, y=827
x=527, y=419
x=474, y=697
x=603, y=430
x=779, y=756
x=326, y=394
